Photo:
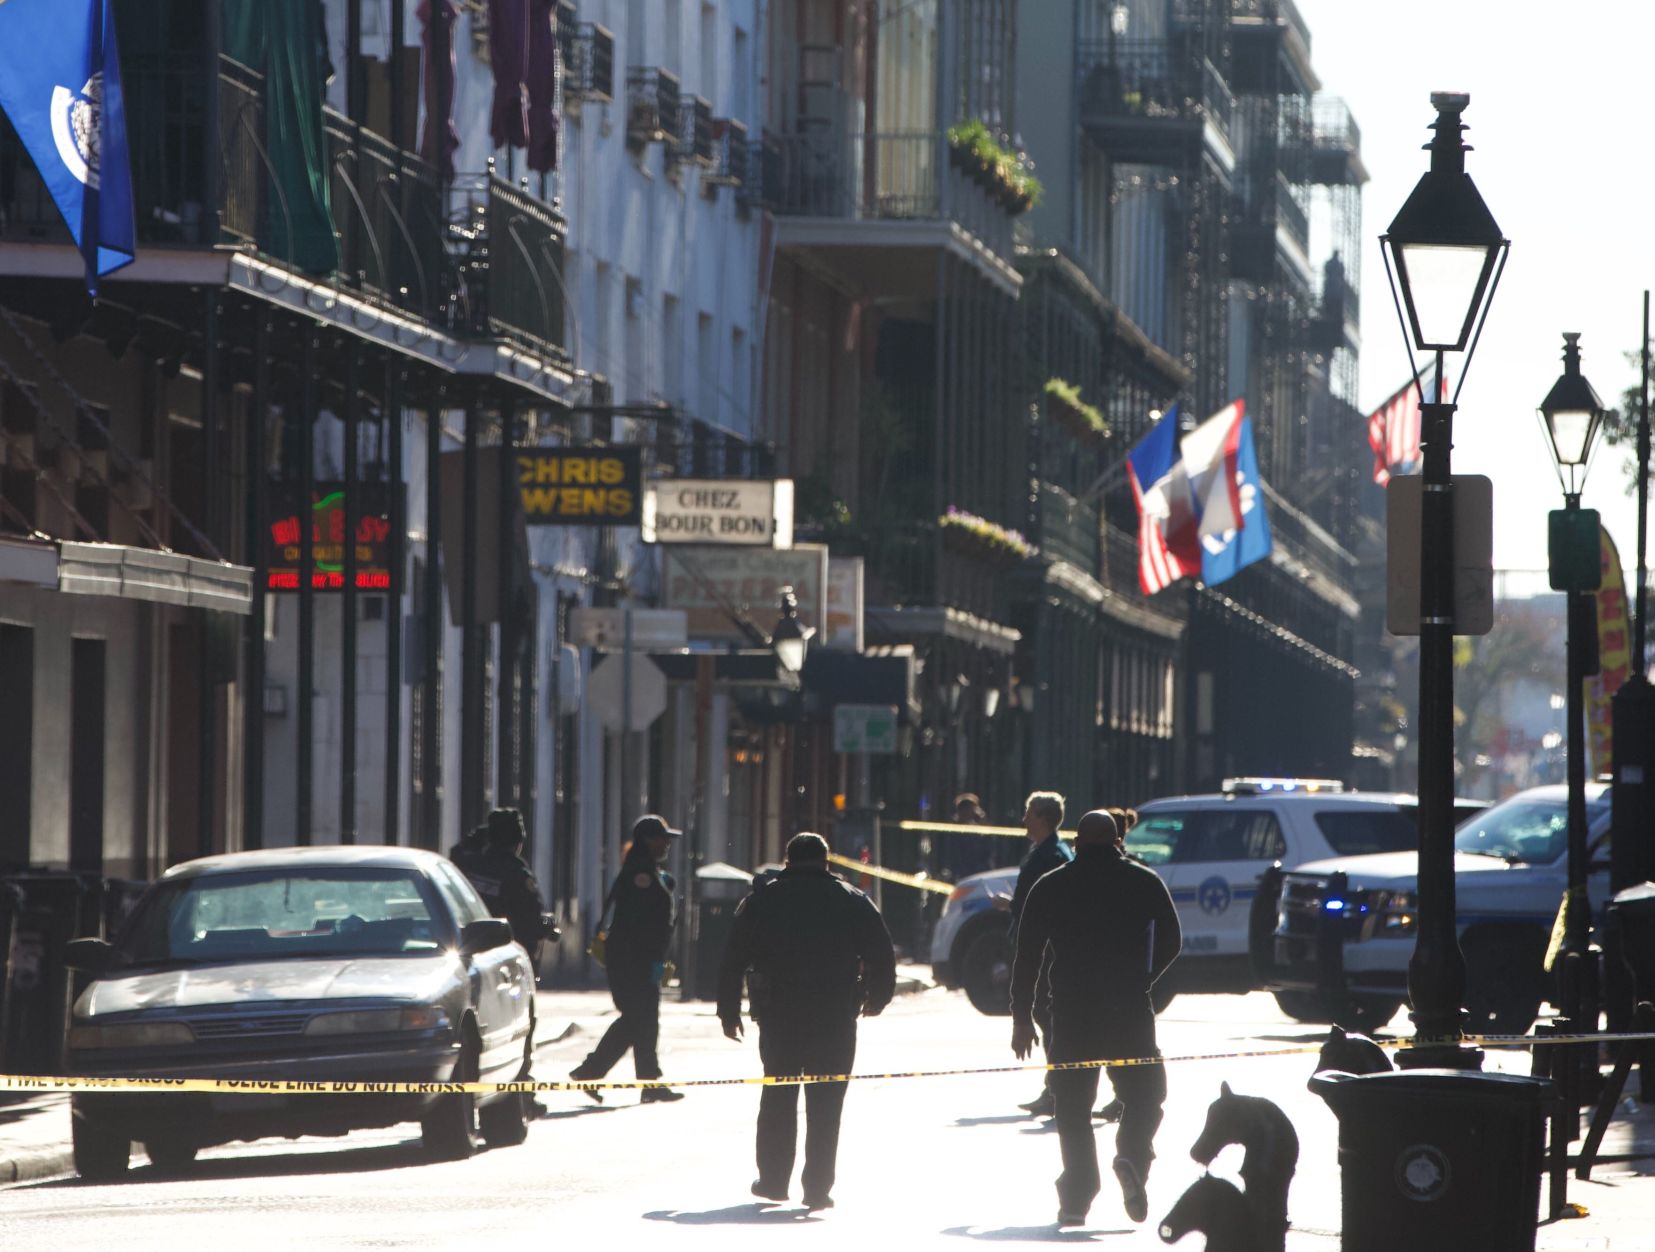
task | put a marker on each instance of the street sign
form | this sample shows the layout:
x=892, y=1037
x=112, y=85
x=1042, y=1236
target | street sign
x=1473, y=541
x=865, y=728
x=1574, y=555
x=606, y=628
x=608, y=680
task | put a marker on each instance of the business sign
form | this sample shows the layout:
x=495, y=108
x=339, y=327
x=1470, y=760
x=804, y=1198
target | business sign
x=844, y=604
x=865, y=728
x=719, y=587
x=284, y=537
x=607, y=628
x=580, y=486
x=733, y=511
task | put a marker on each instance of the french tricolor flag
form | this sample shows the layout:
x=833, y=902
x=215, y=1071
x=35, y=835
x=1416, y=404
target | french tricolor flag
x=1186, y=490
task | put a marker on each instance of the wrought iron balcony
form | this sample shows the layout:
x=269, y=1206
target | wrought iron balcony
x=1146, y=100
x=1336, y=145
x=730, y=157
x=508, y=250
x=904, y=176
x=588, y=54
x=652, y=106
x=1068, y=529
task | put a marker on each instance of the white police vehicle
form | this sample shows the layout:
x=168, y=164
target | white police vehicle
x=1211, y=850
x=1345, y=927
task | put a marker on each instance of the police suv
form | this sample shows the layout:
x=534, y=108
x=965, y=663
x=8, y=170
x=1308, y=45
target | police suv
x=1211, y=851
x=1345, y=927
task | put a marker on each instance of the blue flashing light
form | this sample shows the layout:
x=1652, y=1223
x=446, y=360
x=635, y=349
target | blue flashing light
x=1335, y=905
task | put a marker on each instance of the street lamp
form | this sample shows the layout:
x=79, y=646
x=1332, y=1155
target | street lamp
x=1571, y=415
x=1443, y=254
x=791, y=637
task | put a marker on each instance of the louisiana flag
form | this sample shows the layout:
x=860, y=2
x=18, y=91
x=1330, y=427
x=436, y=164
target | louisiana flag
x=60, y=86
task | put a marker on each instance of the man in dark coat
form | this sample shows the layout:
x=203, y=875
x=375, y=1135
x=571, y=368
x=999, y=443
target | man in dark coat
x=1042, y=817
x=507, y=884
x=817, y=952
x=1107, y=925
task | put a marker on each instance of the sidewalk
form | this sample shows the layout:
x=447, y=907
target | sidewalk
x=34, y=1129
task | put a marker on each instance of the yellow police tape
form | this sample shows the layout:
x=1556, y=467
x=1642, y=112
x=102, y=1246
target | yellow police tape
x=923, y=881
x=961, y=828
x=281, y=1086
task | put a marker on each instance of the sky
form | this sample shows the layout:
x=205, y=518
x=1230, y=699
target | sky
x=1558, y=124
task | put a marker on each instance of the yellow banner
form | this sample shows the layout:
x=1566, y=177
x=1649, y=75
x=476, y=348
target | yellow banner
x=1614, y=657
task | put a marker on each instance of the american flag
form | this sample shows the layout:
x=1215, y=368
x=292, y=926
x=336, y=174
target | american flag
x=1393, y=428
x=1169, y=543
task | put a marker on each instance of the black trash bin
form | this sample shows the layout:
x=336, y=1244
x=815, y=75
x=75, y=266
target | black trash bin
x=719, y=888
x=1438, y=1160
x=1631, y=920
x=55, y=908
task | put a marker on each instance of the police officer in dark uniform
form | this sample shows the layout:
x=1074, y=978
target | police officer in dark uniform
x=1108, y=927
x=817, y=953
x=507, y=884
x=634, y=958
x=1042, y=818
x=469, y=849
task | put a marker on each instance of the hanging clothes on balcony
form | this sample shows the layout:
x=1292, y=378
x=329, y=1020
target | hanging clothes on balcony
x=440, y=138
x=284, y=40
x=545, y=65
x=508, y=46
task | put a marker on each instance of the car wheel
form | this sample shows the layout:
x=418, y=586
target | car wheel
x=101, y=1153
x=502, y=1123
x=1366, y=1014
x=447, y=1131
x=1503, y=983
x=170, y=1156
x=985, y=973
x=1303, y=1006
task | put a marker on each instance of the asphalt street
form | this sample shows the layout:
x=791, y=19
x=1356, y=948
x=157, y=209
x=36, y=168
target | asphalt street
x=928, y=1162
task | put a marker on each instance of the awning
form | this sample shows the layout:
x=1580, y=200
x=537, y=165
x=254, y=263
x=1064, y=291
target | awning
x=906, y=623
x=834, y=676
x=112, y=569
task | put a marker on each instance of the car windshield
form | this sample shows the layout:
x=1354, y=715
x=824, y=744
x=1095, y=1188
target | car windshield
x=337, y=911
x=1522, y=829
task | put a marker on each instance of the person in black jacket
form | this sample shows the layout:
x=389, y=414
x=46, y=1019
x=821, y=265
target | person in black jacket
x=636, y=951
x=507, y=884
x=1042, y=817
x=1108, y=927
x=816, y=952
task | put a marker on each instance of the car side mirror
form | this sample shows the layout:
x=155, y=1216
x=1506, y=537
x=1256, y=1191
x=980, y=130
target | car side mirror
x=484, y=935
x=92, y=956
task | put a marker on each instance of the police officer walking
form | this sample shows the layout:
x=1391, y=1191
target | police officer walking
x=816, y=953
x=634, y=958
x=1042, y=818
x=1109, y=929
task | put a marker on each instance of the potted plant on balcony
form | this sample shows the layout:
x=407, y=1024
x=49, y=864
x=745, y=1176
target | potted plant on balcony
x=979, y=537
x=1064, y=404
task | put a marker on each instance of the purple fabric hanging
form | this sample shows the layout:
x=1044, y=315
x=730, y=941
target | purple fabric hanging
x=440, y=138
x=544, y=67
x=508, y=45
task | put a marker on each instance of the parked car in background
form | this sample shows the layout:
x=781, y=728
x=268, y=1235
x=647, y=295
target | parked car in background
x=340, y=964
x=1211, y=851
x=1345, y=926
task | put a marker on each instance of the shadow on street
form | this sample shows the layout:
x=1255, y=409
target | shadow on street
x=736, y=1215
x=1033, y=1234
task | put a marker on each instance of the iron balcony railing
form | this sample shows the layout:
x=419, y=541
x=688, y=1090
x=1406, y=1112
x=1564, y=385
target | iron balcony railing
x=1068, y=529
x=507, y=247
x=1274, y=10
x=694, y=449
x=652, y=105
x=387, y=210
x=1151, y=79
x=1290, y=213
x=894, y=176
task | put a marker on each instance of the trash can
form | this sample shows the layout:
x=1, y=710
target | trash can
x=1631, y=920
x=719, y=888
x=54, y=908
x=1438, y=1159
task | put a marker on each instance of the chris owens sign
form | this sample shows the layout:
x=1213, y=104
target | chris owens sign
x=722, y=511
x=580, y=486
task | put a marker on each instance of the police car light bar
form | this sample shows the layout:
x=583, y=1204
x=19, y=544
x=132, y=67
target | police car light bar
x=1264, y=786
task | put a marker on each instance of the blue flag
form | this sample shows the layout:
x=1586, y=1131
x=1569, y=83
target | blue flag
x=60, y=84
x=1225, y=554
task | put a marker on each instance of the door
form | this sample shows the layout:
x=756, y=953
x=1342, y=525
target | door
x=1211, y=860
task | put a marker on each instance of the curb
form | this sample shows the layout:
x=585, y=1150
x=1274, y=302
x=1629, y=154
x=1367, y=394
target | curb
x=36, y=1165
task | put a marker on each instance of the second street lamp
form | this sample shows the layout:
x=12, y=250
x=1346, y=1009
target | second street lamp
x=1444, y=253
x=1571, y=415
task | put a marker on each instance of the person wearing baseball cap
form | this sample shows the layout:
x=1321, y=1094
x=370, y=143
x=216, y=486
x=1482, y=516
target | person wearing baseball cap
x=635, y=953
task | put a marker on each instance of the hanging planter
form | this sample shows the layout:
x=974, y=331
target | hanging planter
x=1065, y=406
x=979, y=537
x=1005, y=175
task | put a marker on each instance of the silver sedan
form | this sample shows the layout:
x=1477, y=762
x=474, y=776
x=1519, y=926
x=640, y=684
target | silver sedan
x=335, y=964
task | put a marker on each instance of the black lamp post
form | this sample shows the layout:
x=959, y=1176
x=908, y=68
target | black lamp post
x=1571, y=415
x=1443, y=254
